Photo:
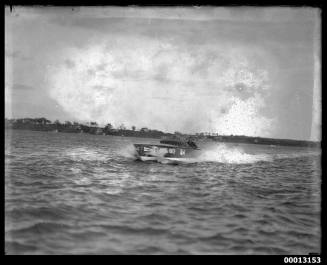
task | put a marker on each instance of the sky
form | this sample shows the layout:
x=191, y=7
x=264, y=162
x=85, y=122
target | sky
x=230, y=70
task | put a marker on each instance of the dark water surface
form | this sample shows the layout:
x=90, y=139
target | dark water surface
x=84, y=194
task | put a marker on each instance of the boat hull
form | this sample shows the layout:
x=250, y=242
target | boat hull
x=164, y=153
x=164, y=160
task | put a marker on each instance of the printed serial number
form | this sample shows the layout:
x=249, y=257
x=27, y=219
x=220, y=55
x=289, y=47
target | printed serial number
x=302, y=260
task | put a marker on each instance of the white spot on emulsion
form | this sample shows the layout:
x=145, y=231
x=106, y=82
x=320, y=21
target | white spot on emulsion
x=127, y=84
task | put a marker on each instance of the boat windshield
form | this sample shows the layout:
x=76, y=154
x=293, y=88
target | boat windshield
x=173, y=142
x=192, y=144
x=180, y=143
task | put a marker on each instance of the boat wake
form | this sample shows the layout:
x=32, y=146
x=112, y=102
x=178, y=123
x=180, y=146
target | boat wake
x=222, y=153
x=128, y=152
x=225, y=154
x=231, y=155
x=228, y=155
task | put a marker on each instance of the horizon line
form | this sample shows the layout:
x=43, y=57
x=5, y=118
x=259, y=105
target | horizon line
x=230, y=135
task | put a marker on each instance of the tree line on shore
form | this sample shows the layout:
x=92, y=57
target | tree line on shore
x=43, y=124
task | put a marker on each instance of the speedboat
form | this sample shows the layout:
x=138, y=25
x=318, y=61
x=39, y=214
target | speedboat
x=169, y=150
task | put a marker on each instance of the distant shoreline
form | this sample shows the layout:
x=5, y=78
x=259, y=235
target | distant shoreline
x=46, y=125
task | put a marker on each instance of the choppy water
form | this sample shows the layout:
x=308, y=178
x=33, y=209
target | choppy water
x=84, y=194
